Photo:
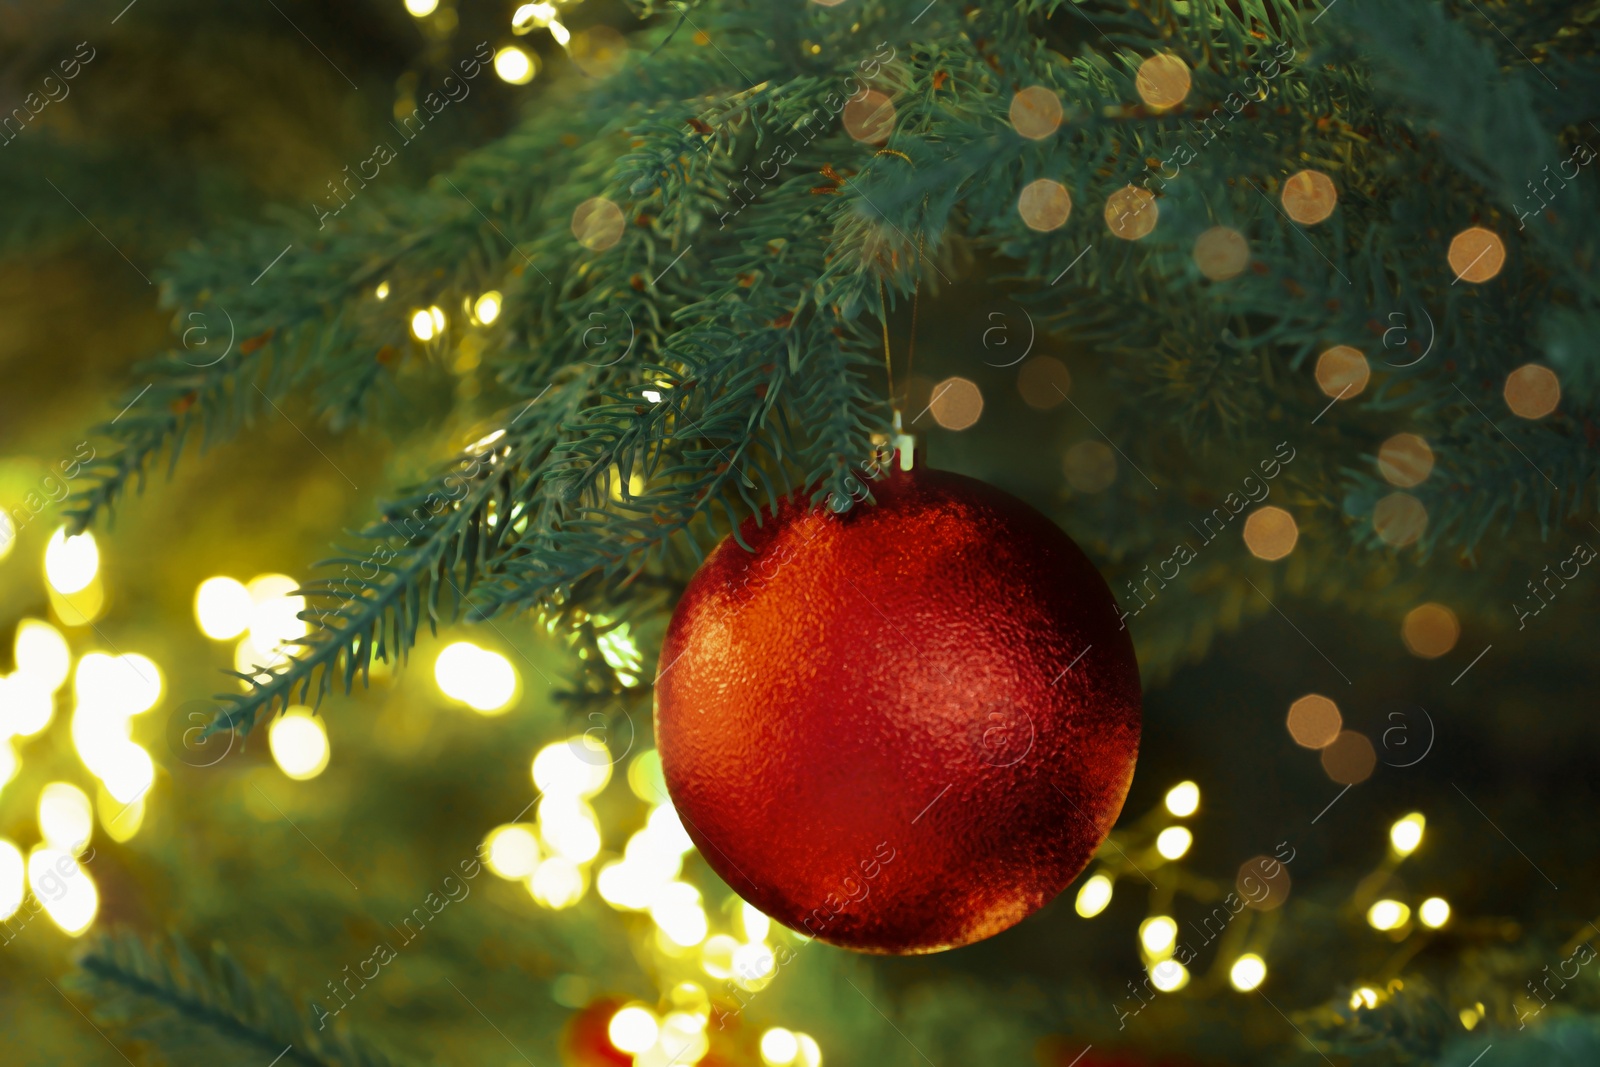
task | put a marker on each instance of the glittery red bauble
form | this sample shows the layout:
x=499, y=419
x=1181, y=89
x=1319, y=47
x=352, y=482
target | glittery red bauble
x=902, y=728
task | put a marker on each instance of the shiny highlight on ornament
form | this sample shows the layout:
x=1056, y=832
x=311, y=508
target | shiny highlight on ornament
x=1183, y=799
x=1044, y=205
x=1388, y=915
x=1309, y=197
x=1270, y=533
x=1430, y=630
x=1532, y=391
x=299, y=743
x=1406, y=834
x=515, y=66
x=1093, y=897
x=1163, y=81
x=71, y=563
x=1131, y=212
x=1035, y=112
x=1476, y=254
x=1247, y=972
x=1434, y=912
x=1173, y=842
x=222, y=608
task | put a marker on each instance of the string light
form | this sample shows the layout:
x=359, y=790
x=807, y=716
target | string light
x=1131, y=212
x=511, y=851
x=559, y=33
x=1173, y=842
x=1044, y=205
x=60, y=883
x=26, y=705
x=1163, y=81
x=633, y=1029
x=779, y=1047
x=483, y=680
x=1405, y=460
x=810, y=1052
x=1349, y=758
x=1157, y=934
x=1366, y=996
x=1183, y=799
x=515, y=66
x=1169, y=976
x=1434, y=912
x=530, y=17
x=299, y=743
x=1270, y=533
x=676, y=910
x=1532, y=391
x=1430, y=630
x=1093, y=897
x=222, y=608
x=1399, y=519
x=120, y=820
x=569, y=828
x=422, y=8
x=1342, y=372
x=957, y=403
x=1476, y=254
x=1309, y=197
x=716, y=956
x=66, y=819
x=557, y=883
x=597, y=223
x=71, y=563
x=275, y=612
x=422, y=325
x=382, y=291
x=1221, y=253
x=487, y=308
x=1035, y=112
x=13, y=874
x=1388, y=915
x=41, y=653
x=1406, y=834
x=1247, y=972
x=578, y=767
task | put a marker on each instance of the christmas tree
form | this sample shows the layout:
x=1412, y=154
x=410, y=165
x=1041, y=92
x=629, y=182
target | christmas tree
x=1283, y=312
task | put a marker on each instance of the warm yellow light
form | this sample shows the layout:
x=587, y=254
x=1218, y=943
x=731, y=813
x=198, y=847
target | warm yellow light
x=1094, y=896
x=779, y=1047
x=483, y=680
x=1406, y=834
x=1169, y=976
x=754, y=963
x=26, y=705
x=628, y=886
x=8, y=534
x=530, y=17
x=810, y=1052
x=716, y=956
x=127, y=772
x=1247, y=972
x=676, y=910
x=512, y=851
x=70, y=563
x=756, y=925
x=422, y=325
x=437, y=314
x=299, y=743
x=65, y=889
x=13, y=873
x=1157, y=934
x=1183, y=799
x=1364, y=997
x=487, y=309
x=557, y=883
x=1173, y=842
x=569, y=828
x=683, y=1039
x=117, y=685
x=382, y=291
x=514, y=65
x=66, y=819
x=560, y=33
x=8, y=758
x=633, y=1029
x=1471, y=1017
x=120, y=820
x=275, y=613
x=577, y=767
x=222, y=608
x=1434, y=912
x=422, y=8
x=1388, y=915
x=42, y=653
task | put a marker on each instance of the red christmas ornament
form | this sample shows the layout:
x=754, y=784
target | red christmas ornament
x=903, y=728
